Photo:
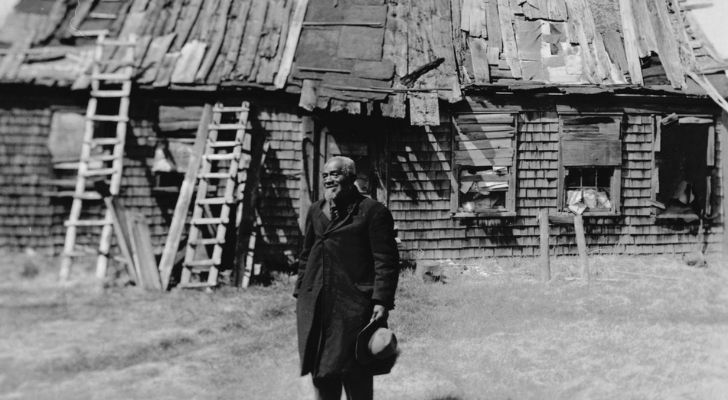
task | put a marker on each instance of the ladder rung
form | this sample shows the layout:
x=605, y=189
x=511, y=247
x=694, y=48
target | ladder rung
x=215, y=175
x=207, y=241
x=113, y=62
x=79, y=253
x=230, y=109
x=88, y=222
x=208, y=221
x=108, y=118
x=102, y=171
x=117, y=43
x=226, y=126
x=101, y=158
x=225, y=143
x=111, y=77
x=215, y=200
x=200, y=263
x=105, y=141
x=109, y=93
x=219, y=157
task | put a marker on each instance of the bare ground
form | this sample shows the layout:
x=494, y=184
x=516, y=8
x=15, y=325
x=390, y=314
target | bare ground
x=492, y=332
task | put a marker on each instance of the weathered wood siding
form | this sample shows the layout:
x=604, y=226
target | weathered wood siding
x=420, y=198
x=26, y=215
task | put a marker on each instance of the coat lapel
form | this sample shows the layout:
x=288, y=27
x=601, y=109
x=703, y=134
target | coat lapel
x=349, y=215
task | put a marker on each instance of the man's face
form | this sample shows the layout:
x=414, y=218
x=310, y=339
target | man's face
x=335, y=180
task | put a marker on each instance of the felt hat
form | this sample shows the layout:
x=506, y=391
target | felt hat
x=376, y=347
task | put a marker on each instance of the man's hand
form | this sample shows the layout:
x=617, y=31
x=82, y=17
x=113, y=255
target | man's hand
x=380, y=312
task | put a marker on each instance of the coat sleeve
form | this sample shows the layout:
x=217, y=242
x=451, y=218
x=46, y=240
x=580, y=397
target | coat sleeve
x=308, y=240
x=385, y=255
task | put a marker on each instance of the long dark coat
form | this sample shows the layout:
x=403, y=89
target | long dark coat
x=344, y=268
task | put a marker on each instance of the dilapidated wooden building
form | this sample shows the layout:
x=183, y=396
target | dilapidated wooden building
x=466, y=117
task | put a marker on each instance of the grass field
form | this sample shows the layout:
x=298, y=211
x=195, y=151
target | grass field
x=649, y=328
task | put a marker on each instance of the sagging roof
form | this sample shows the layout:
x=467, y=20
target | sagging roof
x=397, y=55
x=180, y=42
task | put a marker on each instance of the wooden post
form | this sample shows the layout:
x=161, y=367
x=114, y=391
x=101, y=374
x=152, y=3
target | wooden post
x=307, y=178
x=722, y=131
x=581, y=245
x=543, y=223
x=184, y=199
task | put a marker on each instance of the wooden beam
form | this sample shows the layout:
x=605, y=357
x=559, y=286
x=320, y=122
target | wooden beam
x=630, y=41
x=306, y=179
x=581, y=245
x=184, y=199
x=543, y=223
x=294, y=32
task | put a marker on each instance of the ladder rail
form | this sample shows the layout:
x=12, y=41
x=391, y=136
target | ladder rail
x=85, y=170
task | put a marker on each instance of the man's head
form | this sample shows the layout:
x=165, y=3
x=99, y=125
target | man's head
x=338, y=177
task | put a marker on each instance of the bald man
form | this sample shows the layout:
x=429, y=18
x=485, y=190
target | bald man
x=348, y=271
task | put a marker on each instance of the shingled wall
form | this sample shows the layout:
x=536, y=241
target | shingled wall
x=420, y=198
x=25, y=215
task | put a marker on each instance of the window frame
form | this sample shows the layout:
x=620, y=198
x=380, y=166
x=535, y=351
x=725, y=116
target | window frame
x=455, y=196
x=615, y=186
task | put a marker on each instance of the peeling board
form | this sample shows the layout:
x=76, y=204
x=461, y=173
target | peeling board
x=424, y=109
x=380, y=70
x=216, y=37
x=289, y=51
x=272, y=42
x=164, y=72
x=510, y=49
x=479, y=57
x=630, y=42
x=395, y=106
x=361, y=43
x=173, y=18
x=666, y=44
x=395, y=37
x=557, y=10
x=153, y=59
x=710, y=147
x=307, y=101
x=187, y=20
x=535, y=9
x=643, y=26
x=495, y=39
x=236, y=35
x=249, y=46
x=188, y=62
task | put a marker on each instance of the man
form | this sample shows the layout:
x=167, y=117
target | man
x=348, y=271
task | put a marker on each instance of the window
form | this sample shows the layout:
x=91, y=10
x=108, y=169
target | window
x=484, y=165
x=590, y=164
x=684, y=168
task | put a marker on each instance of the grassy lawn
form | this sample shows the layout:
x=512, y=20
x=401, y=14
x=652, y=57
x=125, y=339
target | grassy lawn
x=491, y=332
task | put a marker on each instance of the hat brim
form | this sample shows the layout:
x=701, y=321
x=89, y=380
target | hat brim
x=362, y=341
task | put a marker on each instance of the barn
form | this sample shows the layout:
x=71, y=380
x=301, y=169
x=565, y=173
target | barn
x=466, y=117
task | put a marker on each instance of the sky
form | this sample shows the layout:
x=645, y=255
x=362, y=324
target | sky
x=714, y=22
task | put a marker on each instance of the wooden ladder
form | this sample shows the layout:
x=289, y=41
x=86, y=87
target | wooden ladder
x=220, y=168
x=102, y=150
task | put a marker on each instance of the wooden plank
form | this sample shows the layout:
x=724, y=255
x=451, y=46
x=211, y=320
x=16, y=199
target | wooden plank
x=469, y=152
x=722, y=129
x=185, y=197
x=486, y=144
x=121, y=229
x=666, y=43
x=164, y=72
x=143, y=253
x=294, y=32
x=185, y=24
x=710, y=148
x=154, y=56
x=249, y=46
x=581, y=245
x=395, y=37
x=508, y=34
x=495, y=40
x=695, y=120
x=591, y=153
x=486, y=118
x=424, y=109
x=475, y=159
x=216, y=39
x=479, y=56
x=188, y=63
x=557, y=10
x=308, y=98
x=236, y=37
x=543, y=223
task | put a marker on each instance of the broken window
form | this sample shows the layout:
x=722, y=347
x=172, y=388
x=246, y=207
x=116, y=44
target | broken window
x=590, y=163
x=684, y=162
x=483, y=164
